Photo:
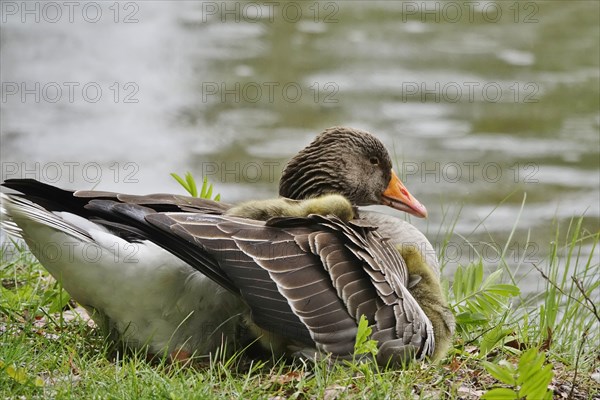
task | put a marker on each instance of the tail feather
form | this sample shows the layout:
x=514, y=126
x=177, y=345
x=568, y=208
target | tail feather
x=18, y=211
x=47, y=196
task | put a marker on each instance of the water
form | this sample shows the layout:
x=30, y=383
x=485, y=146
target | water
x=479, y=104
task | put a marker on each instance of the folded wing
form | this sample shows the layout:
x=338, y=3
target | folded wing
x=310, y=279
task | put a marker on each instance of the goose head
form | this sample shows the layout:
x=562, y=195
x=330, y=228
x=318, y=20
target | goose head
x=352, y=163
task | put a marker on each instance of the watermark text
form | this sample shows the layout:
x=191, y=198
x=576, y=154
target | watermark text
x=269, y=92
x=455, y=92
x=53, y=12
x=270, y=11
x=71, y=171
x=470, y=11
x=69, y=92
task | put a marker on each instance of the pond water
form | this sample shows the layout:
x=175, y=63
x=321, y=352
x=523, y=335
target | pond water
x=480, y=103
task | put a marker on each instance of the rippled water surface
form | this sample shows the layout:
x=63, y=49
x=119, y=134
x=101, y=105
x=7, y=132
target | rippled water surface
x=480, y=103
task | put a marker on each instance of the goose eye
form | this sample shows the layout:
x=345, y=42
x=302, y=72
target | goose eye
x=374, y=160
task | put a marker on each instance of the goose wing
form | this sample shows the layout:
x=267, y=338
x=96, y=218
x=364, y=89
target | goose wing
x=310, y=279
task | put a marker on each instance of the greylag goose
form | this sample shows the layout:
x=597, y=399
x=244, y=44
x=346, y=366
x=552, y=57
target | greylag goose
x=297, y=271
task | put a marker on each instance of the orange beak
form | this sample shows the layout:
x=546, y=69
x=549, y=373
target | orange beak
x=396, y=196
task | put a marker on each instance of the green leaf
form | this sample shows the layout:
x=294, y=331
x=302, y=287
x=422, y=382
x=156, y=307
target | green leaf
x=458, y=283
x=503, y=373
x=504, y=289
x=18, y=374
x=490, y=280
x=471, y=318
x=478, y=303
x=500, y=394
x=364, y=345
x=536, y=386
x=529, y=363
x=491, y=338
x=530, y=376
x=474, y=277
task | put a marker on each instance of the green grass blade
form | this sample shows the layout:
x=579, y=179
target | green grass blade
x=192, y=184
x=181, y=181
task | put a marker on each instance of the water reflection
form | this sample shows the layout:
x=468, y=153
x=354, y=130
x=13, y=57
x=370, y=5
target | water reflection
x=478, y=108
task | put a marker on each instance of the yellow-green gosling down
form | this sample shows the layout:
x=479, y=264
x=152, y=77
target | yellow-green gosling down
x=263, y=210
x=182, y=276
x=428, y=292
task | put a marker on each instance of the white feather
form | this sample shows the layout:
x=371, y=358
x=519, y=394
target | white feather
x=147, y=294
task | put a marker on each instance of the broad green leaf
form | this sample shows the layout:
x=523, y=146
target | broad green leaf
x=502, y=373
x=475, y=277
x=491, y=338
x=530, y=356
x=492, y=278
x=471, y=318
x=549, y=395
x=536, y=386
x=500, y=394
x=507, y=287
x=477, y=302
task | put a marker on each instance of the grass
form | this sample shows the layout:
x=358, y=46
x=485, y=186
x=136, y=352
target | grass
x=507, y=345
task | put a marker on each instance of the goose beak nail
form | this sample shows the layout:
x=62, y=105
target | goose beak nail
x=396, y=196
